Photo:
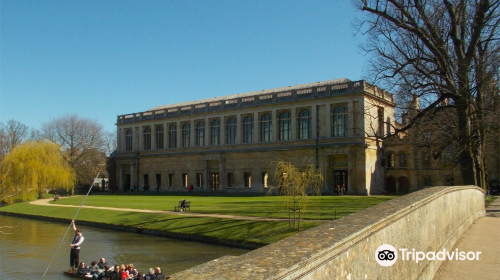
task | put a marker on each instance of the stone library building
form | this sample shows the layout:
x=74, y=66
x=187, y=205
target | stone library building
x=227, y=144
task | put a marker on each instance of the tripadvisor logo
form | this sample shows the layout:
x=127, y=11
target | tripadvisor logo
x=386, y=255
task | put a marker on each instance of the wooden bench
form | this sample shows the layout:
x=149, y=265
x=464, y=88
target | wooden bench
x=177, y=207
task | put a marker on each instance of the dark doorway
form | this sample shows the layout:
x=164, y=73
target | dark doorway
x=214, y=185
x=340, y=180
x=390, y=185
x=126, y=187
x=404, y=186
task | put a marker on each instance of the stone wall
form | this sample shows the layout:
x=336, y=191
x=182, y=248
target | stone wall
x=428, y=220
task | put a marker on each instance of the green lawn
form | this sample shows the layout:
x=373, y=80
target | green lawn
x=319, y=207
x=259, y=232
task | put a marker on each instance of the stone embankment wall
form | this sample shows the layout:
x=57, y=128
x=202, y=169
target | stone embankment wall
x=432, y=219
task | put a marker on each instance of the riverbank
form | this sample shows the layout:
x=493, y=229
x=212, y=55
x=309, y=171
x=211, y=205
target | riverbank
x=255, y=221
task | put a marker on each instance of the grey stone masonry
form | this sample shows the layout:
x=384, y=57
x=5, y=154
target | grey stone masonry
x=432, y=219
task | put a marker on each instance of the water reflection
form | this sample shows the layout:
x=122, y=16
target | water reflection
x=26, y=250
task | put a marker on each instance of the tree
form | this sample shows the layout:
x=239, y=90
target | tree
x=33, y=166
x=14, y=133
x=81, y=141
x=438, y=55
x=295, y=184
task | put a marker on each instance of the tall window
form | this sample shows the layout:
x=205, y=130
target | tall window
x=305, y=131
x=230, y=180
x=231, y=131
x=248, y=129
x=215, y=132
x=159, y=137
x=265, y=128
x=200, y=134
x=403, y=160
x=172, y=136
x=147, y=138
x=186, y=135
x=170, y=180
x=426, y=136
x=265, y=179
x=340, y=122
x=391, y=160
x=128, y=140
x=381, y=117
x=284, y=127
x=199, y=180
x=248, y=179
x=426, y=158
x=184, y=180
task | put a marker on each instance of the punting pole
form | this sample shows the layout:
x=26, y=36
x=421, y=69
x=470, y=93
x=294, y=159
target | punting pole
x=70, y=225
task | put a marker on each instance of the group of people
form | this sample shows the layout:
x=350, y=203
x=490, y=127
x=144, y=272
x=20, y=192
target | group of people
x=340, y=190
x=101, y=269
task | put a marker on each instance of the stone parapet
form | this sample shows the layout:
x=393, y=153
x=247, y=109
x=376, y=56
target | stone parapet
x=432, y=219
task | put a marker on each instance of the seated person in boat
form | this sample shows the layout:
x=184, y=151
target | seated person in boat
x=102, y=263
x=116, y=274
x=124, y=271
x=151, y=275
x=158, y=274
x=94, y=269
x=83, y=270
x=106, y=274
x=132, y=272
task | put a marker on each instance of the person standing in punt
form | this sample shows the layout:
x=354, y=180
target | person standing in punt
x=74, y=257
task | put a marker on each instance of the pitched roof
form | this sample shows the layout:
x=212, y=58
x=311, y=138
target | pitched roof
x=253, y=93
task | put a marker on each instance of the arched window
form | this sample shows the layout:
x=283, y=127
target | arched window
x=231, y=131
x=339, y=122
x=172, y=136
x=305, y=125
x=403, y=160
x=186, y=135
x=248, y=129
x=159, y=137
x=128, y=140
x=265, y=128
x=147, y=138
x=284, y=127
x=200, y=134
x=215, y=132
x=391, y=160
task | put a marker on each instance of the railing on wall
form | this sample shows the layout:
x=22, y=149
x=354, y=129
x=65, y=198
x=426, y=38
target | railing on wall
x=266, y=98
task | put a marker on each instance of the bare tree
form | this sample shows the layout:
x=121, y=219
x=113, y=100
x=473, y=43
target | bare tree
x=81, y=141
x=109, y=142
x=438, y=55
x=12, y=134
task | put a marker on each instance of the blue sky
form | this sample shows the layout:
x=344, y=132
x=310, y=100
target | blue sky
x=101, y=59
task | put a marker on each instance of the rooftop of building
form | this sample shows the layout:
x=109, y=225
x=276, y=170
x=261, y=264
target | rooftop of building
x=253, y=93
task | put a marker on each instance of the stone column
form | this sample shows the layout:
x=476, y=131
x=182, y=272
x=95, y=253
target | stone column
x=293, y=115
x=192, y=133
x=314, y=121
x=222, y=178
x=239, y=129
x=132, y=177
x=350, y=119
x=328, y=121
x=222, y=134
x=274, y=126
x=256, y=132
x=120, y=180
x=206, y=175
x=207, y=132
x=165, y=135
x=141, y=138
x=119, y=139
x=178, y=131
x=327, y=174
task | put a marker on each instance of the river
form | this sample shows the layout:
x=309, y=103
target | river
x=27, y=247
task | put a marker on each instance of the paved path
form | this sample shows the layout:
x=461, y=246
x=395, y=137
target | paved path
x=45, y=202
x=482, y=236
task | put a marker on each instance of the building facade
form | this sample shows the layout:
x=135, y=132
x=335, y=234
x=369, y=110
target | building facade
x=227, y=144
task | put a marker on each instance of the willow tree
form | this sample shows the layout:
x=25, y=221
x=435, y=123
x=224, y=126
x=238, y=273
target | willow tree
x=295, y=185
x=33, y=166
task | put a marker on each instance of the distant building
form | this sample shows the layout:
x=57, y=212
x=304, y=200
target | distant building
x=226, y=144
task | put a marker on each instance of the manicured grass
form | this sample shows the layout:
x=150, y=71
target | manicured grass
x=318, y=208
x=236, y=230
